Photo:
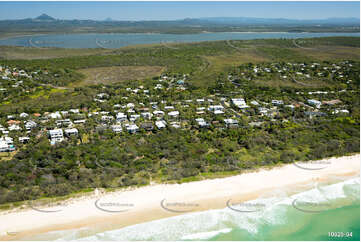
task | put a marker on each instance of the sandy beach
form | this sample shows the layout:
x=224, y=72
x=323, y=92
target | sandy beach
x=101, y=212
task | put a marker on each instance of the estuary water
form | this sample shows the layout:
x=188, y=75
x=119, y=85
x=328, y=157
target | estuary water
x=117, y=40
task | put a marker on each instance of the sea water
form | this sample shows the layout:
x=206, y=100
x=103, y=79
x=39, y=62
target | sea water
x=314, y=214
x=323, y=212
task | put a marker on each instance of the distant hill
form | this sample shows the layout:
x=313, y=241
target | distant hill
x=44, y=17
x=46, y=23
x=281, y=21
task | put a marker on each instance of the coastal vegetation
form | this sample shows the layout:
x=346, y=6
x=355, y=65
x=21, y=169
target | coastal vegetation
x=264, y=71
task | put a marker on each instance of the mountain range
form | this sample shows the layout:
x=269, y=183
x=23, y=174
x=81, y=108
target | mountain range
x=46, y=23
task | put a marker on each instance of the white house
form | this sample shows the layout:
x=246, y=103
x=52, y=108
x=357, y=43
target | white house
x=55, y=115
x=24, y=139
x=216, y=112
x=74, y=110
x=134, y=117
x=175, y=125
x=130, y=105
x=132, y=128
x=121, y=117
x=6, y=144
x=24, y=115
x=168, y=107
x=213, y=108
x=30, y=125
x=290, y=106
x=173, y=114
x=56, y=136
x=314, y=102
x=254, y=103
x=70, y=132
x=158, y=113
x=161, y=124
x=239, y=103
x=107, y=118
x=277, y=102
x=80, y=121
x=230, y=123
x=263, y=110
x=146, y=115
x=14, y=127
x=117, y=128
x=63, y=123
x=202, y=123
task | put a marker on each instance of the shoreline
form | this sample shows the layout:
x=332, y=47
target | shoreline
x=30, y=36
x=114, y=210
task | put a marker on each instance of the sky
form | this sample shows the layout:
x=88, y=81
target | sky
x=178, y=10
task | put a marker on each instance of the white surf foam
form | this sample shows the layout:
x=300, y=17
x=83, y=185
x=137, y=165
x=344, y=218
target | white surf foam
x=207, y=224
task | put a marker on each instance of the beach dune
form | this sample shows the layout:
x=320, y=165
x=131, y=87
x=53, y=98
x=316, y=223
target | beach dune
x=101, y=212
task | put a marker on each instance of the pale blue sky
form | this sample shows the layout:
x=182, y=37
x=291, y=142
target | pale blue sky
x=178, y=10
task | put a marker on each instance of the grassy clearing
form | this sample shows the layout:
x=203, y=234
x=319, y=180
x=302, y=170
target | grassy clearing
x=221, y=63
x=46, y=93
x=4, y=156
x=312, y=83
x=324, y=53
x=30, y=53
x=114, y=74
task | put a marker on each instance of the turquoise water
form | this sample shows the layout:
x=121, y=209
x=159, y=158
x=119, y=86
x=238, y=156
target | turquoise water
x=331, y=208
x=120, y=40
x=297, y=214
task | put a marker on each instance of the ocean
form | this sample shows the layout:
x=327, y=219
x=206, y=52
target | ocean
x=117, y=40
x=322, y=212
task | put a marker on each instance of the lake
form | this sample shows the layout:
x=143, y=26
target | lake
x=117, y=40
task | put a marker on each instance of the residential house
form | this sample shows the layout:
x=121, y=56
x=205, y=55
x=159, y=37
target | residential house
x=14, y=127
x=158, y=113
x=121, y=117
x=132, y=128
x=231, y=123
x=342, y=111
x=6, y=144
x=80, y=121
x=277, y=102
x=239, y=103
x=147, y=115
x=332, y=102
x=56, y=136
x=148, y=126
x=24, y=139
x=117, y=128
x=107, y=118
x=24, y=115
x=71, y=132
x=202, y=123
x=254, y=103
x=161, y=124
x=216, y=109
x=55, y=115
x=314, y=102
x=175, y=125
x=168, y=107
x=134, y=117
x=311, y=114
x=173, y=114
x=30, y=125
x=63, y=123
